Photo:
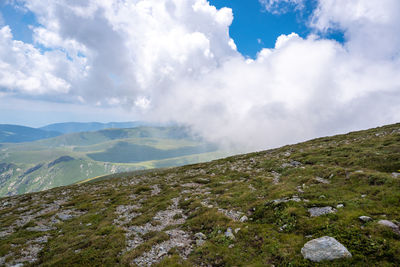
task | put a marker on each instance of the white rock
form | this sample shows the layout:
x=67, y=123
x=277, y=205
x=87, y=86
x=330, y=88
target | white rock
x=244, y=219
x=339, y=206
x=365, y=218
x=324, y=248
x=229, y=233
x=315, y=212
x=322, y=180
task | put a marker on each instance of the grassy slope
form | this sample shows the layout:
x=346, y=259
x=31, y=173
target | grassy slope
x=358, y=166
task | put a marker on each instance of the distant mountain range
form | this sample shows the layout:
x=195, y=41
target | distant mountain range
x=76, y=127
x=18, y=134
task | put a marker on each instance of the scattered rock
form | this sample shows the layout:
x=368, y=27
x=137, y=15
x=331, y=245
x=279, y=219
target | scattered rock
x=178, y=239
x=234, y=215
x=244, y=219
x=200, y=239
x=396, y=175
x=277, y=177
x=251, y=187
x=39, y=228
x=229, y=234
x=322, y=180
x=339, y=206
x=200, y=236
x=324, y=248
x=286, y=199
x=292, y=163
x=391, y=225
x=64, y=216
x=365, y=219
x=155, y=190
x=363, y=196
x=315, y=212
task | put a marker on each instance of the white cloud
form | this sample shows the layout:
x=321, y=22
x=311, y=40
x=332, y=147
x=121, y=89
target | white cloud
x=281, y=6
x=24, y=69
x=371, y=26
x=174, y=60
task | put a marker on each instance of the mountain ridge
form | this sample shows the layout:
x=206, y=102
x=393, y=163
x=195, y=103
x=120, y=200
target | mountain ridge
x=10, y=133
x=75, y=127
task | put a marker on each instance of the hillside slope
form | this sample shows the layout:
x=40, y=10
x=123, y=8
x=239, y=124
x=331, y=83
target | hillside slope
x=70, y=158
x=258, y=209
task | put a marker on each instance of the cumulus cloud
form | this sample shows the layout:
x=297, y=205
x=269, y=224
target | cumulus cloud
x=174, y=60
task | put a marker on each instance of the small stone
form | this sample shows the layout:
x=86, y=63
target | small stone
x=324, y=248
x=229, y=233
x=322, y=180
x=396, y=175
x=237, y=230
x=244, y=219
x=315, y=212
x=200, y=236
x=363, y=196
x=231, y=246
x=64, y=217
x=283, y=227
x=88, y=224
x=322, y=196
x=365, y=218
x=339, y=206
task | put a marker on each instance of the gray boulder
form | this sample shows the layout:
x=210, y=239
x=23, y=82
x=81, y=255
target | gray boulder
x=391, y=225
x=324, y=248
x=318, y=211
x=365, y=218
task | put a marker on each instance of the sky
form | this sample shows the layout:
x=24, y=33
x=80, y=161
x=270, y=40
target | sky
x=248, y=74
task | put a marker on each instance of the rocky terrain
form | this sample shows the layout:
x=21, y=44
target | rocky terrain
x=332, y=201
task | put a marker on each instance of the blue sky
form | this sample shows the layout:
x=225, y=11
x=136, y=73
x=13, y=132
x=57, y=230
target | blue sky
x=252, y=24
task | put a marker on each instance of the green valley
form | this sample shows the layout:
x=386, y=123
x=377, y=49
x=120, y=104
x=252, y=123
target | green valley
x=67, y=159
